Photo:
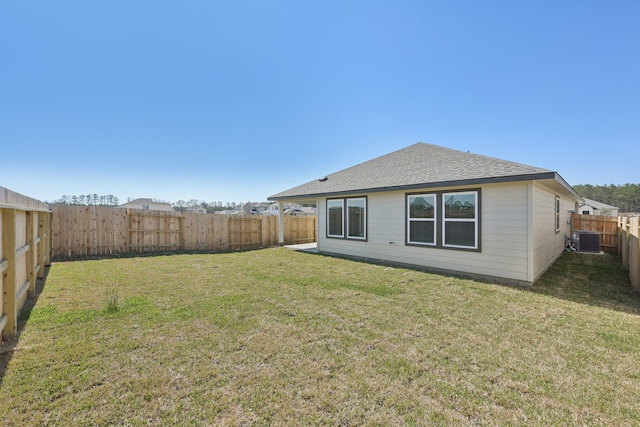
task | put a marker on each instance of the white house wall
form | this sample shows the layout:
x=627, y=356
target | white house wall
x=547, y=244
x=504, y=239
x=586, y=210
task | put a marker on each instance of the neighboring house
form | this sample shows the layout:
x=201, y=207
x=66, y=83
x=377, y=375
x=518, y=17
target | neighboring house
x=299, y=210
x=197, y=209
x=250, y=208
x=272, y=209
x=446, y=210
x=592, y=207
x=238, y=211
x=147, y=204
x=289, y=209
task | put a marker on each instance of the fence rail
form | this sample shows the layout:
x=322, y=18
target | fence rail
x=25, y=232
x=82, y=231
x=629, y=247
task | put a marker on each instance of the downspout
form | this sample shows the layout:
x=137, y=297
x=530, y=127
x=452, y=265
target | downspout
x=318, y=224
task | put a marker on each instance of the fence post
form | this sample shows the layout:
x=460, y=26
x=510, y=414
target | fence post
x=9, y=318
x=634, y=252
x=280, y=223
x=620, y=235
x=32, y=253
x=624, y=232
x=42, y=243
x=264, y=235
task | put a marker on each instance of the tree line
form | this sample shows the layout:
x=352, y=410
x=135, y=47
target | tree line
x=112, y=201
x=211, y=207
x=625, y=197
x=87, y=200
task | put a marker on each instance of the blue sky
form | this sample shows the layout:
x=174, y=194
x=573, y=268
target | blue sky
x=235, y=101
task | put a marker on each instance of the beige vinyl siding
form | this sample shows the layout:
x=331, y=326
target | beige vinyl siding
x=547, y=244
x=503, y=238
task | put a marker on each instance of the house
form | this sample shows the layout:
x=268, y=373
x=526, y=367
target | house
x=289, y=209
x=148, y=205
x=592, y=207
x=197, y=209
x=237, y=211
x=445, y=210
x=255, y=208
x=272, y=209
x=298, y=210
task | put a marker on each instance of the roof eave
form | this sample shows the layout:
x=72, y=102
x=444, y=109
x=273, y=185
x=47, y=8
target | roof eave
x=464, y=182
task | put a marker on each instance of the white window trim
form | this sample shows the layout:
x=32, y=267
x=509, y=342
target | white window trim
x=341, y=218
x=474, y=220
x=346, y=215
x=434, y=219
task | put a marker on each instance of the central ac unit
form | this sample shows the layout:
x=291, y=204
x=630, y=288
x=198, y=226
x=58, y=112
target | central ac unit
x=586, y=241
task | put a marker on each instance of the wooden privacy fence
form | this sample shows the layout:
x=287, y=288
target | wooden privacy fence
x=618, y=234
x=25, y=232
x=81, y=231
x=607, y=226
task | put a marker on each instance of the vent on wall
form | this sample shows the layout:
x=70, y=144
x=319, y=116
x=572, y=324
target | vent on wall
x=586, y=241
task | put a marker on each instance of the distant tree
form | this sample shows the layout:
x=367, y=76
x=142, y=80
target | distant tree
x=91, y=200
x=180, y=206
x=625, y=197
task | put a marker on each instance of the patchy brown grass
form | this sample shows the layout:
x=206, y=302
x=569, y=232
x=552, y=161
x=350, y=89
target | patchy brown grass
x=275, y=337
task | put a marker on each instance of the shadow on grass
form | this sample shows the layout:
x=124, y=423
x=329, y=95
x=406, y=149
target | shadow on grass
x=10, y=345
x=592, y=279
x=150, y=254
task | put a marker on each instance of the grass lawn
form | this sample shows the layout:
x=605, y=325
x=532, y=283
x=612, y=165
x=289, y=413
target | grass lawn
x=275, y=337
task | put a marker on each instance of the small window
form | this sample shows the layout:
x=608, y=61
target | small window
x=460, y=220
x=335, y=218
x=357, y=218
x=421, y=210
x=557, y=214
x=585, y=213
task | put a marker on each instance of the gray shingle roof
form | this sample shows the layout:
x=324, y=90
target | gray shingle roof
x=418, y=166
x=598, y=205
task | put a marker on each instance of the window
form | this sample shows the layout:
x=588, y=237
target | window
x=585, y=212
x=421, y=210
x=445, y=220
x=335, y=218
x=459, y=222
x=353, y=219
x=557, y=214
x=356, y=218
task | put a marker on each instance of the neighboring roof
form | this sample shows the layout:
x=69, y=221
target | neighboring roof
x=144, y=201
x=597, y=205
x=421, y=166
